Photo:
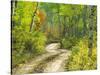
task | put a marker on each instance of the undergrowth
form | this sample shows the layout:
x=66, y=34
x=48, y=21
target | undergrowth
x=26, y=45
x=79, y=59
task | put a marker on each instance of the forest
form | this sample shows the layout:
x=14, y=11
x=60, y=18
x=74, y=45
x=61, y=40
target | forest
x=44, y=33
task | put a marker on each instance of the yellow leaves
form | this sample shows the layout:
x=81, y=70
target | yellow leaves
x=41, y=15
x=80, y=60
x=39, y=19
x=20, y=65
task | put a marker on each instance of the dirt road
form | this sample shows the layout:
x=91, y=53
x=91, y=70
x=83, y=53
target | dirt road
x=52, y=61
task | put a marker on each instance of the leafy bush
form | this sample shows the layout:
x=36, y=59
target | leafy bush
x=39, y=42
x=26, y=44
x=79, y=59
x=68, y=42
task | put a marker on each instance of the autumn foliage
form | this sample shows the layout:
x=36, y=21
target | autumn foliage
x=42, y=16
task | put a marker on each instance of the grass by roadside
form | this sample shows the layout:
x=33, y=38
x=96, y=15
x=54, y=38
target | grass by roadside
x=79, y=59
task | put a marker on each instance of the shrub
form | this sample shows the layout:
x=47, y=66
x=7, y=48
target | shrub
x=68, y=42
x=79, y=59
x=39, y=42
x=26, y=44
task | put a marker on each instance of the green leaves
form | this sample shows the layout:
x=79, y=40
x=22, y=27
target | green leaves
x=26, y=44
x=70, y=10
x=23, y=14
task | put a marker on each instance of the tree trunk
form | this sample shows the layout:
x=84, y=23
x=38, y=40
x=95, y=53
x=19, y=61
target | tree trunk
x=64, y=31
x=13, y=7
x=32, y=22
x=84, y=20
x=91, y=31
x=59, y=21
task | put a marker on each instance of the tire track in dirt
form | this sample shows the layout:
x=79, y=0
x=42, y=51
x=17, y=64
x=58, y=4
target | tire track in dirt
x=54, y=63
x=28, y=67
x=40, y=67
x=58, y=64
